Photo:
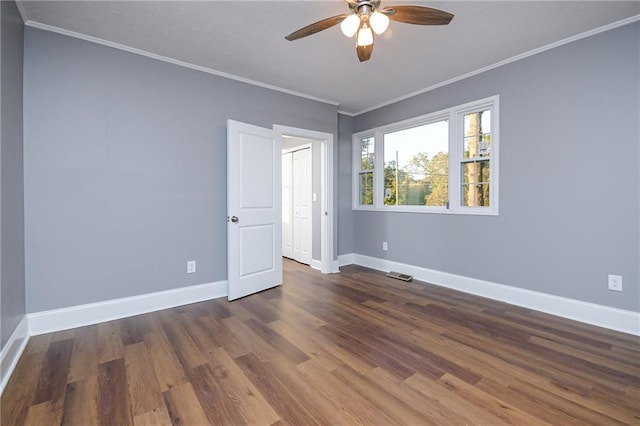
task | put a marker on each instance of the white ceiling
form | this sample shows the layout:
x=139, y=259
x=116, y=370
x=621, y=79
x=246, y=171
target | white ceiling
x=246, y=39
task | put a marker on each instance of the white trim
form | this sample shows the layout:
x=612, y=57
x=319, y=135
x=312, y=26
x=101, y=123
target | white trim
x=507, y=61
x=195, y=67
x=327, y=231
x=316, y=264
x=23, y=13
x=12, y=351
x=346, y=259
x=296, y=148
x=590, y=313
x=93, y=313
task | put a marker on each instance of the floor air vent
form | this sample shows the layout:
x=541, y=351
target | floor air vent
x=399, y=276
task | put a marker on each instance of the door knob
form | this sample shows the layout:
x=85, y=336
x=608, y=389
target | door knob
x=234, y=219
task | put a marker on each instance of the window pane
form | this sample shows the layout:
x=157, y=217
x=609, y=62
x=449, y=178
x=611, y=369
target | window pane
x=367, y=153
x=475, y=195
x=477, y=134
x=366, y=188
x=475, y=172
x=416, y=165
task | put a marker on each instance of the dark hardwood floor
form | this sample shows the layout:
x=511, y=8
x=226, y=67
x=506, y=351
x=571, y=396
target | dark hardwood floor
x=344, y=349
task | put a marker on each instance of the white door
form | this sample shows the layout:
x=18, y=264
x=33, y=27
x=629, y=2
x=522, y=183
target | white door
x=287, y=205
x=302, y=208
x=254, y=209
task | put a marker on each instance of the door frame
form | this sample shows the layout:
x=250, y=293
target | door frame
x=328, y=264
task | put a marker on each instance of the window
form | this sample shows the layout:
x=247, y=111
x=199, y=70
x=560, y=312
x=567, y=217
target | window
x=444, y=162
x=365, y=170
x=416, y=165
x=475, y=163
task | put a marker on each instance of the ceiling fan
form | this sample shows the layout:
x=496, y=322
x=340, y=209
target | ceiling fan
x=368, y=18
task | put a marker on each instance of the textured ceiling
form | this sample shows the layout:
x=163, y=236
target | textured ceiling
x=246, y=39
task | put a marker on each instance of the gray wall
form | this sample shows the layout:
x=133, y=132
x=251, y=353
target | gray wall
x=316, y=187
x=12, y=291
x=343, y=171
x=125, y=169
x=569, y=177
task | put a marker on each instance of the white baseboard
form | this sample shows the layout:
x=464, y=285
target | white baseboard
x=346, y=259
x=93, y=313
x=316, y=264
x=590, y=313
x=12, y=351
x=333, y=266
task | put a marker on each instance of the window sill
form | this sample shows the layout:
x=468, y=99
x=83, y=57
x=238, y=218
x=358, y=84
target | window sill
x=472, y=212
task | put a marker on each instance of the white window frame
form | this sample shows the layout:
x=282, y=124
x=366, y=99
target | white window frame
x=357, y=170
x=455, y=116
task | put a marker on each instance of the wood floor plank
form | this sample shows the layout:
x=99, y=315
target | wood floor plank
x=213, y=398
x=585, y=415
x=533, y=407
x=132, y=330
x=497, y=407
x=380, y=397
x=81, y=403
x=431, y=409
x=240, y=392
x=84, y=359
x=361, y=410
x=45, y=413
x=144, y=389
x=289, y=398
x=183, y=345
x=156, y=417
x=256, y=345
x=183, y=406
x=202, y=337
x=53, y=376
x=20, y=391
x=109, y=342
x=338, y=349
x=166, y=365
x=232, y=343
x=280, y=344
x=113, y=395
x=435, y=393
x=306, y=343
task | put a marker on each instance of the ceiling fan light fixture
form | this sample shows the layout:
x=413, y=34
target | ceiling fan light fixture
x=365, y=35
x=350, y=25
x=367, y=17
x=379, y=22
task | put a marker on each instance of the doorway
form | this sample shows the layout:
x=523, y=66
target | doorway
x=298, y=198
x=323, y=221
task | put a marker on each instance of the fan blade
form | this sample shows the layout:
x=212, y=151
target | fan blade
x=316, y=27
x=418, y=15
x=364, y=52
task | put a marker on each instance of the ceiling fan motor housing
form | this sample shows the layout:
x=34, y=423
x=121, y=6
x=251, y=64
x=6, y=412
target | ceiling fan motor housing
x=364, y=7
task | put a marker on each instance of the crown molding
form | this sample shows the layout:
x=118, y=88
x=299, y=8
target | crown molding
x=129, y=49
x=141, y=52
x=23, y=13
x=524, y=55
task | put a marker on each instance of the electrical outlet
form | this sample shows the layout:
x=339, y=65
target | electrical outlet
x=191, y=267
x=385, y=247
x=615, y=282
